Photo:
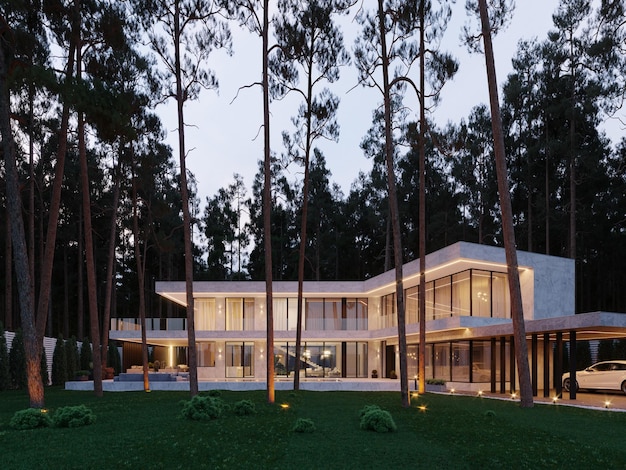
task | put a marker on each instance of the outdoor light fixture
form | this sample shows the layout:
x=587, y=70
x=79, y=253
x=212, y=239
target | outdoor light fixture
x=422, y=408
x=284, y=406
x=607, y=403
x=452, y=391
x=480, y=393
x=555, y=399
x=513, y=396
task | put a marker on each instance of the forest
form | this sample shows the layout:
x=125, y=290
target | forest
x=103, y=198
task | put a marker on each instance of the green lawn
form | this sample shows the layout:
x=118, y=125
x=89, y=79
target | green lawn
x=144, y=430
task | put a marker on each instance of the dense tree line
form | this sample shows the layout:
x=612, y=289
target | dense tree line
x=79, y=92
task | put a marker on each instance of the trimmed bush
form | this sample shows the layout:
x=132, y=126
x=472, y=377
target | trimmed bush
x=203, y=408
x=5, y=371
x=378, y=420
x=30, y=418
x=73, y=417
x=71, y=358
x=367, y=408
x=59, y=362
x=17, y=361
x=304, y=425
x=113, y=358
x=43, y=367
x=244, y=408
x=214, y=393
x=86, y=355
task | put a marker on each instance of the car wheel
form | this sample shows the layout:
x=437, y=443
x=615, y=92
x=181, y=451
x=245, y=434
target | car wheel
x=624, y=386
x=566, y=385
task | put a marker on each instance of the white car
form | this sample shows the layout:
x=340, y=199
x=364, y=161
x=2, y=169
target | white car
x=607, y=375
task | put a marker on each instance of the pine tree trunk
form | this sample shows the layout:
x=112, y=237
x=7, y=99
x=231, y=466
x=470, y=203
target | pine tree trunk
x=395, y=216
x=32, y=347
x=517, y=313
x=267, y=206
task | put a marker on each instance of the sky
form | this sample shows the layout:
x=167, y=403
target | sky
x=224, y=134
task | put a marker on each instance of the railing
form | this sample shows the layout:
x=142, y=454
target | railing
x=152, y=324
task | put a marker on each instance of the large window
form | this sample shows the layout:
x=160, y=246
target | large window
x=481, y=293
x=355, y=359
x=481, y=361
x=461, y=288
x=239, y=314
x=355, y=316
x=473, y=292
x=501, y=304
x=206, y=354
x=461, y=361
x=388, y=311
x=441, y=361
x=443, y=298
x=332, y=314
x=204, y=314
x=314, y=314
x=411, y=296
x=239, y=359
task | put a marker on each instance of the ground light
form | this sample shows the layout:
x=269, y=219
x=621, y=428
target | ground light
x=607, y=403
x=480, y=393
x=513, y=396
x=555, y=399
x=452, y=391
x=422, y=408
x=284, y=406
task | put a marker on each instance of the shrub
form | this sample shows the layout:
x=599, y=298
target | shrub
x=378, y=420
x=201, y=408
x=490, y=414
x=43, y=367
x=113, y=358
x=73, y=417
x=214, y=393
x=17, y=361
x=304, y=425
x=368, y=408
x=244, y=408
x=59, y=362
x=5, y=371
x=71, y=357
x=86, y=355
x=435, y=381
x=30, y=418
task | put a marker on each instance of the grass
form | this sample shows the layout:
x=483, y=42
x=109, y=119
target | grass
x=144, y=431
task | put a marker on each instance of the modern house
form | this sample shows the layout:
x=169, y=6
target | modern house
x=349, y=328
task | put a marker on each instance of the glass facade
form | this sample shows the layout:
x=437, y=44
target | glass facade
x=469, y=293
x=239, y=314
x=204, y=310
x=206, y=354
x=239, y=359
x=458, y=361
x=322, y=359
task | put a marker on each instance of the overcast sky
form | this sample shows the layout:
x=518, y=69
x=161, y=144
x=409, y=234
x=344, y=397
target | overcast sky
x=224, y=138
